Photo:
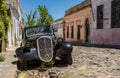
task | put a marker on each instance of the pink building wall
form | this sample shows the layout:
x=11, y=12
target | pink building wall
x=107, y=35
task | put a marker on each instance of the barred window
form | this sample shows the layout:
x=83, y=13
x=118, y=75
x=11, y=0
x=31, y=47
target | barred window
x=100, y=17
x=115, y=14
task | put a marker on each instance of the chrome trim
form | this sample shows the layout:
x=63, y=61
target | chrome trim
x=38, y=48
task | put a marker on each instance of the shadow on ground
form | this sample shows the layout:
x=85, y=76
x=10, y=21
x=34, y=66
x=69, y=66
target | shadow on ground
x=31, y=66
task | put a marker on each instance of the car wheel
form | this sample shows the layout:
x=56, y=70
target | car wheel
x=69, y=59
x=23, y=65
x=18, y=65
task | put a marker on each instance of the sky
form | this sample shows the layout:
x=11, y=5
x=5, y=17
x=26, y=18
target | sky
x=56, y=8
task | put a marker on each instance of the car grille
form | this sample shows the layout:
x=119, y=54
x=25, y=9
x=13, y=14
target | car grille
x=45, y=48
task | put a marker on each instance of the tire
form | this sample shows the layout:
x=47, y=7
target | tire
x=22, y=65
x=18, y=65
x=67, y=58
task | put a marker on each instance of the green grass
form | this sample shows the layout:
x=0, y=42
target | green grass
x=22, y=74
x=2, y=58
x=46, y=64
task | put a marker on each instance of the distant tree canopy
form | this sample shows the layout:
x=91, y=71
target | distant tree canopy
x=43, y=18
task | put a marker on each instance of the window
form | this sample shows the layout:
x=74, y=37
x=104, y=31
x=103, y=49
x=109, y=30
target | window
x=115, y=14
x=68, y=32
x=100, y=17
x=78, y=32
x=72, y=32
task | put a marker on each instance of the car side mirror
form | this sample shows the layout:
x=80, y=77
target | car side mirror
x=60, y=40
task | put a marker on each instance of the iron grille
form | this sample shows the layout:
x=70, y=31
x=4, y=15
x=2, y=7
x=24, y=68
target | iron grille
x=45, y=48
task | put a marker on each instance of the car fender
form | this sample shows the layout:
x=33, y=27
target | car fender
x=67, y=47
x=64, y=48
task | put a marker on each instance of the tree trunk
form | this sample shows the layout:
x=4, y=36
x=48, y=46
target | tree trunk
x=3, y=45
x=3, y=40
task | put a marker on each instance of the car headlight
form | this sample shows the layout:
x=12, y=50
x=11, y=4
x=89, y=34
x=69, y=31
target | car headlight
x=60, y=40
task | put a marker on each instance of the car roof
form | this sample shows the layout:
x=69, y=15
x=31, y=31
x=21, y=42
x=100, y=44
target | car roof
x=36, y=26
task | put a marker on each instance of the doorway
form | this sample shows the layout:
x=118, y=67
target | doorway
x=87, y=31
x=78, y=32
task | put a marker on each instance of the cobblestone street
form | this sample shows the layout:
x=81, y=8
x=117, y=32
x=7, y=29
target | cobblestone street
x=7, y=68
x=88, y=62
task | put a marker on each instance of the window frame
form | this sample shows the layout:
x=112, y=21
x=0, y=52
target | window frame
x=99, y=15
x=115, y=14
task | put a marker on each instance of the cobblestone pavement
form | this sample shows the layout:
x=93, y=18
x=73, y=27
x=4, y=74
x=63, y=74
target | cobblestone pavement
x=8, y=67
x=88, y=62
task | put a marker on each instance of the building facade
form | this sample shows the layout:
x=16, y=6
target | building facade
x=58, y=26
x=106, y=22
x=78, y=23
x=15, y=13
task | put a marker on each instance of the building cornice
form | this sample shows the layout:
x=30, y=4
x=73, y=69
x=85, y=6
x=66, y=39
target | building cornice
x=58, y=20
x=78, y=7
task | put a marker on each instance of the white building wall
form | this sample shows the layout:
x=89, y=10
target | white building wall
x=13, y=32
x=59, y=25
x=16, y=16
x=9, y=38
x=106, y=10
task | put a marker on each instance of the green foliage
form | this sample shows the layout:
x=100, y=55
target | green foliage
x=31, y=18
x=2, y=58
x=4, y=20
x=6, y=39
x=22, y=74
x=45, y=19
x=1, y=24
x=47, y=64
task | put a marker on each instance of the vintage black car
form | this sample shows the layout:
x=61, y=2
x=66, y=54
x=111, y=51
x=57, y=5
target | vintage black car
x=40, y=44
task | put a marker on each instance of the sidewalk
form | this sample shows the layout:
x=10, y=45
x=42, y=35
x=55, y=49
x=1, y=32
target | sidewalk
x=8, y=67
x=12, y=49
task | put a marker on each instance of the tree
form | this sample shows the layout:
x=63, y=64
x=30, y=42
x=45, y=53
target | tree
x=45, y=19
x=4, y=22
x=31, y=18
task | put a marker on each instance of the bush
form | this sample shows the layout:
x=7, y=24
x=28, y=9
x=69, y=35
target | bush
x=2, y=58
x=47, y=64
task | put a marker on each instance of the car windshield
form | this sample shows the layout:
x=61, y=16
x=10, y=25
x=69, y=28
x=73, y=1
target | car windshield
x=33, y=31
